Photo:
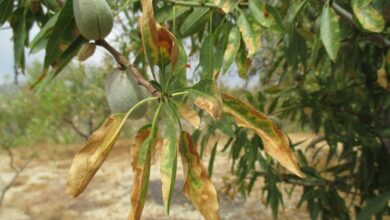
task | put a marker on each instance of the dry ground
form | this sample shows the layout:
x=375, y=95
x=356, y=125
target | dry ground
x=39, y=192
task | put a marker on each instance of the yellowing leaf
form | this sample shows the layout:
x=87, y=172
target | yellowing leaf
x=149, y=33
x=275, y=141
x=141, y=178
x=207, y=97
x=368, y=16
x=231, y=49
x=190, y=115
x=169, y=160
x=139, y=138
x=89, y=159
x=382, y=79
x=198, y=187
x=247, y=34
x=227, y=5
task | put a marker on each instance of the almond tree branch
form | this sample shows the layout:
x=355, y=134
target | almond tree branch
x=17, y=172
x=125, y=64
x=75, y=128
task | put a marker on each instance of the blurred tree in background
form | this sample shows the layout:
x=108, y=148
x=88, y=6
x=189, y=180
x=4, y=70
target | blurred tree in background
x=322, y=65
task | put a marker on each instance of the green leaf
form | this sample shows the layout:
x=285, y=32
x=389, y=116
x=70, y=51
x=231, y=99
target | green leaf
x=20, y=33
x=198, y=187
x=212, y=159
x=194, y=21
x=207, y=97
x=374, y=206
x=247, y=34
x=243, y=63
x=231, y=49
x=62, y=34
x=294, y=12
x=166, y=13
x=206, y=58
x=330, y=31
x=6, y=7
x=169, y=159
x=43, y=34
x=275, y=141
x=227, y=5
x=368, y=16
x=259, y=12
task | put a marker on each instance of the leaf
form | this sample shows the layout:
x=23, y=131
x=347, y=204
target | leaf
x=136, y=143
x=295, y=10
x=247, y=34
x=259, y=12
x=207, y=97
x=20, y=33
x=194, y=21
x=374, y=206
x=227, y=5
x=212, y=159
x=206, y=58
x=165, y=13
x=243, y=63
x=382, y=78
x=62, y=35
x=368, y=16
x=141, y=179
x=169, y=160
x=198, y=187
x=6, y=7
x=89, y=159
x=43, y=34
x=190, y=115
x=275, y=141
x=231, y=49
x=149, y=34
x=330, y=31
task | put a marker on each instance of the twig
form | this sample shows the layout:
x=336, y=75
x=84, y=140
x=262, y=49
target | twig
x=75, y=128
x=16, y=174
x=199, y=3
x=125, y=64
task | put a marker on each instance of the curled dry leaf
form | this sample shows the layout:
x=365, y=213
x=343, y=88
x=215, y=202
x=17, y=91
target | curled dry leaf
x=190, y=115
x=149, y=33
x=89, y=159
x=275, y=141
x=198, y=187
x=207, y=97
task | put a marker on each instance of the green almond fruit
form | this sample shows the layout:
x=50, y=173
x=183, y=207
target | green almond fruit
x=123, y=92
x=94, y=18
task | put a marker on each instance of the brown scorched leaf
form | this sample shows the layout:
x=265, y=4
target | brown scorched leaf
x=89, y=159
x=189, y=114
x=143, y=144
x=149, y=33
x=207, y=97
x=198, y=187
x=275, y=141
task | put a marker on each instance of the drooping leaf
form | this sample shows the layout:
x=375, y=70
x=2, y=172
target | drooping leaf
x=227, y=5
x=169, y=160
x=259, y=12
x=6, y=7
x=295, y=10
x=189, y=114
x=243, y=63
x=247, y=33
x=40, y=40
x=275, y=141
x=194, y=21
x=212, y=159
x=141, y=179
x=206, y=57
x=374, y=206
x=149, y=34
x=198, y=187
x=367, y=15
x=231, y=49
x=89, y=159
x=20, y=33
x=330, y=31
x=207, y=97
x=136, y=143
x=63, y=34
